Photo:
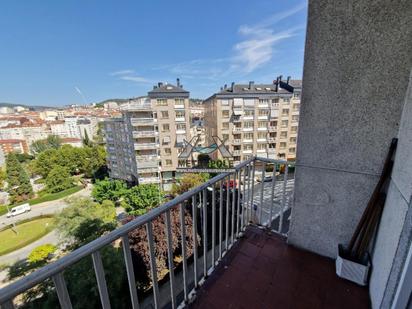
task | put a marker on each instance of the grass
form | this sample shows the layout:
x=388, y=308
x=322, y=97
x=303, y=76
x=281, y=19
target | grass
x=27, y=232
x=3, y=210
x=47, y=197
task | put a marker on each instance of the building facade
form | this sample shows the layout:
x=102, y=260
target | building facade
x=255, y=119
x=144, y=144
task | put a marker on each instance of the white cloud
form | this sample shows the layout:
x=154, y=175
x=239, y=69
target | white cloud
x=131, y=75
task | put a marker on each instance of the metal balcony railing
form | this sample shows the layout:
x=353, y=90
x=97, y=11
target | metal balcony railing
x=221, y=209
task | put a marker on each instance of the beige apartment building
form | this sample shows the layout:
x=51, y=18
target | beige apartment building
x=143, y=146
x=255, y=119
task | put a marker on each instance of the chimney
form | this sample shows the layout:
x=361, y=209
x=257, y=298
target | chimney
x=280, y=78
x=288, y=80
x=277, y=84
x=225, y=87
x=178, y=82
x=251, y=84
x=159, y=84
x=232, y=87
x=154, y=87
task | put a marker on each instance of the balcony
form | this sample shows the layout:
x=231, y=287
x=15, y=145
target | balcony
x=137, y=105
x=180, y=119
x=143, y=146
x=237, y=141
x=262, y=128
x=272, y=128
x=237, y=129
x=137, y=134
x=179, y=106
x=143, y=121
x=146, y=180
x=147, y=163
x=236, y=152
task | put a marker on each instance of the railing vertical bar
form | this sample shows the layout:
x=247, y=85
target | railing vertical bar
x=249, y=204
x=205, y=232
x=169, y=240
x=220, y=219
x=213, y=225
x=252, y=192
x=7, y=305
x=130, y=271
x=183, y=233
x=238, y=202
x=227, y=212
x=101, y=280
x=153, y=267
x=244, y=204
x=272, y=195
x=261, y=193
x=194, y=211
x=61, y=290
x=285, y=182
x=233, y=207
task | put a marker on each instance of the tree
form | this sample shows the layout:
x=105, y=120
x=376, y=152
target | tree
x=51, y=142
x=108, y=189
x=2, y=177
x=189, y=181
x=59, y=179
x=84, y=220
x=86, y=140
x=41, y=254
x=44, y=162
x=19, y=186
x=142, y=198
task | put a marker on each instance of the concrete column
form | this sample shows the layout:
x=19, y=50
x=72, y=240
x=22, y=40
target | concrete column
x=357, y=61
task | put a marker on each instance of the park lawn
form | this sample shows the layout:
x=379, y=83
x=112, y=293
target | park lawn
x=47, y=197
x=28, y=232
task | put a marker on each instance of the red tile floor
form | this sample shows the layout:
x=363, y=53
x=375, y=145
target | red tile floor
x=262, y=271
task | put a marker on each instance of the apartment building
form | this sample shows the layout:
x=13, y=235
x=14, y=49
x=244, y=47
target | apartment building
x=13, y=145
x=256, y=119
x=145, y=143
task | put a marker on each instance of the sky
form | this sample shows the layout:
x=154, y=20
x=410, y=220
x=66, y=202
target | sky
x=74, y=52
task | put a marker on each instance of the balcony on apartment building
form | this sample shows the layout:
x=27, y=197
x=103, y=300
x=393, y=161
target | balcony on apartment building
x=141, y=104
x=145, y=145
x=145, y=133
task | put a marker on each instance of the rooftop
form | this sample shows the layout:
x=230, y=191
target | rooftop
x=168, y=90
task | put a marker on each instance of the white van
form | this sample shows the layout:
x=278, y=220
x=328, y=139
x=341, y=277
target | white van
x=18, y=210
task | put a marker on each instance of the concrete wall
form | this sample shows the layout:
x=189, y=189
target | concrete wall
x=357, y=61
x=395, y=230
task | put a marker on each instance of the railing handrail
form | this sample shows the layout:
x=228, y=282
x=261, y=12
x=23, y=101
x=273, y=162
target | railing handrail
x=54, y=268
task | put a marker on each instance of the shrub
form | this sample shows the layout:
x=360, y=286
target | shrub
x=41, y=253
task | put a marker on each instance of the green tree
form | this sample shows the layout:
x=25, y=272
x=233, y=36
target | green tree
x=84, y=220
x=86, y=140
x=59, y=179
x=51, y=142
x=44, y=162
x=142, y=198
x=94, y=158
x=2, y=177
x=19, y=186
x=108, y=189
x=41, y=254
x=189, y=181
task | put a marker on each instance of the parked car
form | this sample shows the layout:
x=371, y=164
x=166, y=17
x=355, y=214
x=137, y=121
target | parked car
x=18, y=210
x=266, y=179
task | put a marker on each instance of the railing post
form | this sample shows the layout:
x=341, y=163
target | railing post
x=272, y=195
x=261, y=193
x=101, y=280
x=220, y=219
x=233, y=208
x=205, y=232
x=153, y=267
x=227, y=212
x=238, y=202
x=244, y=201
x=253, y=191
x=194, y=229
x=282, y=209
x=61, y=290
x=169, y=240
x=130, y=271
x=213, y=225
x=183, y=233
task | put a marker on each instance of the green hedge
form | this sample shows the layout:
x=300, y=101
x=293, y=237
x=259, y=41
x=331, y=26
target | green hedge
x=51, y=196
x=3, y=210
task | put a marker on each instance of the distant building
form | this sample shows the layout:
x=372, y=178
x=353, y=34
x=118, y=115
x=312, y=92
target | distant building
x=75, y=142
x=256, y=119
x=6, y=110
x=13, y=145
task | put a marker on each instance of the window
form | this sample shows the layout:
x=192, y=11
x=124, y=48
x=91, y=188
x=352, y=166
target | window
x=166, y=140
x=292, y=150
x=180, y=114
x=225, y=136
x=225, y=125
x=292, y=139
x=285, y=123
x=261, y=146
x=164, y=114
x=263, y=101
x=168, y=151
x=261, y=135
x=248, y=147
x=284, y=134
x=249, y=112
x=180, y=126
x=273, y=123
x=283, y=145
x=165, y=127
x=295, y=117
x=286, y=100
x=285, y=112
x=262, y=124
x=296, y=95
x=276, y=100
x=224, y=102
x=248, y=124
x=168, y=162
x=294, y=129
x=263, y=112
x=281, y=155
x=272, y=146
x=225, y=114
x=296, y=106
x=161, y=102
x=179, y=101
x=248, y=136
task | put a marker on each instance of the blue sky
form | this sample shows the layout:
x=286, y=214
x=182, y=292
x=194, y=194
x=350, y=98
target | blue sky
x=52, y=50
